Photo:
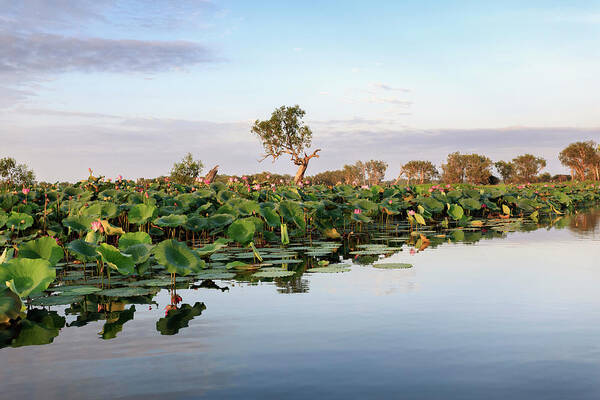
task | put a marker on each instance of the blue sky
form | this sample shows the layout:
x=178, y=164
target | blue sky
x=126, y=87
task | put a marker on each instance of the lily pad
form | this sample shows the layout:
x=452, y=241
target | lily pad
x=273, y=274
x=125, y=292
x=392, y=265
x=57, y=300
x=334, y=268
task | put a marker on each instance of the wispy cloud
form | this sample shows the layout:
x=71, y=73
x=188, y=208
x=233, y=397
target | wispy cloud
x=389, y=88
x=52, y=54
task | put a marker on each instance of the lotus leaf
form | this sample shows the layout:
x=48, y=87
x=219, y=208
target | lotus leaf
x=125, y=292
x=242, y=231
x=470, y=204
x=19, y=221
x=44, y=248
x=273, y=274
x=78, y=223
x=139, y=214
x=333, y=268
x=10, y=306
x=61, y=300
x=133, y=238
x=392, y=265
x=177, y=257
x=123, y=263
x=82, y=249
x=456, y=212
x=27, y=277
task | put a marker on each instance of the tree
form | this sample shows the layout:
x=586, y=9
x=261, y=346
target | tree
x=477, y=168
x=329, y=178
x=354, y=174
x=16, y=174
x=473, y=168
x=453, y=171
x=580, y=157
x=506, y=169
x=527, y=166
x=375, y=170
x=424, y=170
x=286, y=133
x=186, y=171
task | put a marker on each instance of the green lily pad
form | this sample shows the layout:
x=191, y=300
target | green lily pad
x=334, y=268
x=273, y=274
x=125, y=292
x=44, y=248
x=57, y=300
x=392, y=265
x=177, y=257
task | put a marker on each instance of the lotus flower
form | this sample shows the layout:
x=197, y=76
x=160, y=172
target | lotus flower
x=120, y=177
x=25, y=191
x=483, y=206
x=390, y=202
x=357, y=211
x=245, y=178
x=268, y=176
x=411, y=212
x=97, y=226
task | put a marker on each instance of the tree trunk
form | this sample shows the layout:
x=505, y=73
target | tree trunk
x=300, y=173
x=212, y=174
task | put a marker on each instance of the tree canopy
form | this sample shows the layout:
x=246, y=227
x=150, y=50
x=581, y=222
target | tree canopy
x=15, y=174
x=187, y=170
x=286, y=133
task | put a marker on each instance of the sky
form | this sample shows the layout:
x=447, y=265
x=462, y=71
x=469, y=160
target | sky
x=128, y=87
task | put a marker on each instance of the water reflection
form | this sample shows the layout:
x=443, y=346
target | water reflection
x=585, y=223
x=177, y=318
x=40, y=326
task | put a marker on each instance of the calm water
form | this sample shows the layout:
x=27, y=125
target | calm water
x=517, y=317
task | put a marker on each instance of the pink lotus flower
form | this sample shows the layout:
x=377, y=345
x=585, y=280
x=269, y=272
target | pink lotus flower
x=431, y=189
x=230, y=180
x=412, y=252
x=411, y=212
x=268, y=176
x=245, y=178
x=389, y=202
x=357, y=211
x=448, y=186
x=120, y=177
x=256, y=187
x=146, y=195
x=25, y=191
x=483, y=206
x=97, y=226
x=364, y=186
x=206, y=182
x=166, y=179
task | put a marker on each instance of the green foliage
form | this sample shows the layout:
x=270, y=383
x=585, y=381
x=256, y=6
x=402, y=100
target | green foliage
x=16, y=174
x=44, y=248
x=187, y=170
x=177, y=257
x=26, y=277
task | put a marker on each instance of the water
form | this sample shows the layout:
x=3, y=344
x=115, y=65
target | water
x=517, y=317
